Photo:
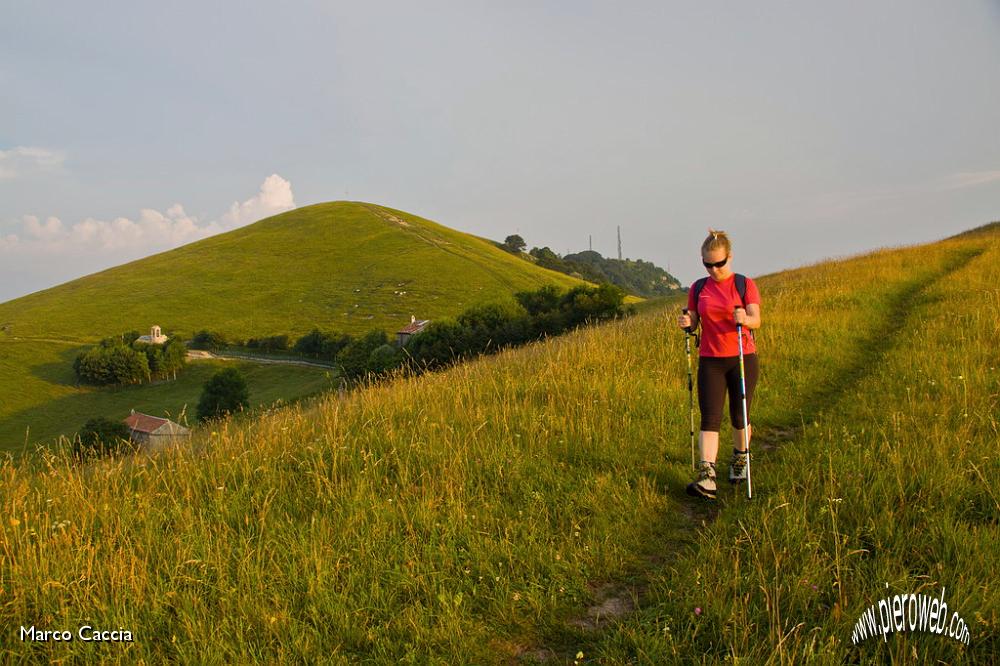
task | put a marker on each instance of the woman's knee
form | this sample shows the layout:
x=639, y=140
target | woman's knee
x=711, y=421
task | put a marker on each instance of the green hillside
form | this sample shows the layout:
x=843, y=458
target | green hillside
x=344, y=266
x=530, y=506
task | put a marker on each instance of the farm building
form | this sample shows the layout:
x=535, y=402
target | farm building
x=415, y=326
x=155, y=337
x=152, y=432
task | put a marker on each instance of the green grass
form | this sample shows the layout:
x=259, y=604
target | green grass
x=47, y=369
x=338, y=266
x=473, y=515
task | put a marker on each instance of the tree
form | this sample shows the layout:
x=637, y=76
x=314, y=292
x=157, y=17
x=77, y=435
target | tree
x=583, y=304
x=333, y=345
x=545, y=299
x=321, y=345
x=514, y=243
x=226, y=392
x=311, y=344
x=492, y=325
x=208, y=340
x=100, y=436
x=441, y=342
x=353, y=359
x=111, y=362
x=173, y=357
x=384, y=358
x=271, y=343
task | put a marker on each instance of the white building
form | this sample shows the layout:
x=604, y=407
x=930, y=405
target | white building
x=155, y=337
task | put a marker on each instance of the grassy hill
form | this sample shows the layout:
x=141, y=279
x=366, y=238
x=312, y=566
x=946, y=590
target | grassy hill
x=343, y=266
x=530, y=506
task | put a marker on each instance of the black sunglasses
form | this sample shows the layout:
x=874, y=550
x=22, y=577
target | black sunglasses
x=717, y=264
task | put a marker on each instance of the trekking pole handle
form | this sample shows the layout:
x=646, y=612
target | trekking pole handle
x=685, y=311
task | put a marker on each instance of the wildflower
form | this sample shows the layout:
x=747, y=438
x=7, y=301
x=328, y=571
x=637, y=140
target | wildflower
x=697, y=610
x=517, y=595
x=14, y=522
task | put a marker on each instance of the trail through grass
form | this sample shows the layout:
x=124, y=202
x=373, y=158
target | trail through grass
x=474, y=515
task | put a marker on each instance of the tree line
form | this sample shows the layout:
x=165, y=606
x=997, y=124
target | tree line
x=639, y=277
x=481, y=329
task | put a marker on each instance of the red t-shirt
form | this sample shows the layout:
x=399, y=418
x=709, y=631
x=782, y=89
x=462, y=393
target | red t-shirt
x=715, y=308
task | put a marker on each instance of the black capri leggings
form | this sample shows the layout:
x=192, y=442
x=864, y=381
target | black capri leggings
x=715, y=375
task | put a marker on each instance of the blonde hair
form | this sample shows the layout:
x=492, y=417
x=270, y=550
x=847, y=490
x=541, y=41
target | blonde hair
x=716, y=240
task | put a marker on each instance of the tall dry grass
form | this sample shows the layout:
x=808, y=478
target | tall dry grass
x=465, y=516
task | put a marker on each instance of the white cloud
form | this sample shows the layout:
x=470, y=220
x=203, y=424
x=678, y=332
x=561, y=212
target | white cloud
x=152, y=231
x=45, y=252
x=22, y=160
x=275, y=196
x=47, y=230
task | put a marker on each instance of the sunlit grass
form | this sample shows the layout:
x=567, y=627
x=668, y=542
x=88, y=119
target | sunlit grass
x=344, y=267
x=463, y=516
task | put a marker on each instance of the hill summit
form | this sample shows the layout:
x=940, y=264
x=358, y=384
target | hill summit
x=343, y=266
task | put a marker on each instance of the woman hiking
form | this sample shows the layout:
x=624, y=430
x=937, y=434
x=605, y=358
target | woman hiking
x=716, y=304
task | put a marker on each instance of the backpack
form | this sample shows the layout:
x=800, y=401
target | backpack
x=741, y=289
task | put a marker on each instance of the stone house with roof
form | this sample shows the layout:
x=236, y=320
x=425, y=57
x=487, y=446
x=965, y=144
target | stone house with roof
x=152, y=432
x=415, y=326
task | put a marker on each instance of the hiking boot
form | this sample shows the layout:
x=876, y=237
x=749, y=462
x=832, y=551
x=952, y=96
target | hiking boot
x=704, y=485
x=738, y=467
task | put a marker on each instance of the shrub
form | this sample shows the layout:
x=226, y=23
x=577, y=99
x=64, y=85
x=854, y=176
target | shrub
x=384, y=358
x=272, y=343
x=439, y=343
x=353, y=359
x=321, y=345
x=112, y=362
x=540, y=301
x=208, y=340
x=226, y=392
x=101, y=436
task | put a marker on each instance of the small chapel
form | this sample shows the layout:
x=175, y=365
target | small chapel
x=155, y=337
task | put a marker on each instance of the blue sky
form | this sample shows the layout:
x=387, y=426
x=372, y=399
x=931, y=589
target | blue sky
x=806, y=130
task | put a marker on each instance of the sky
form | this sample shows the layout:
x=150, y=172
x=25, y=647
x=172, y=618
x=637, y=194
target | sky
x=805, y=130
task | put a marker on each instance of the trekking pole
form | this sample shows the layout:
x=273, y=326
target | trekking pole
x=687, y=348
x=743, y=396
